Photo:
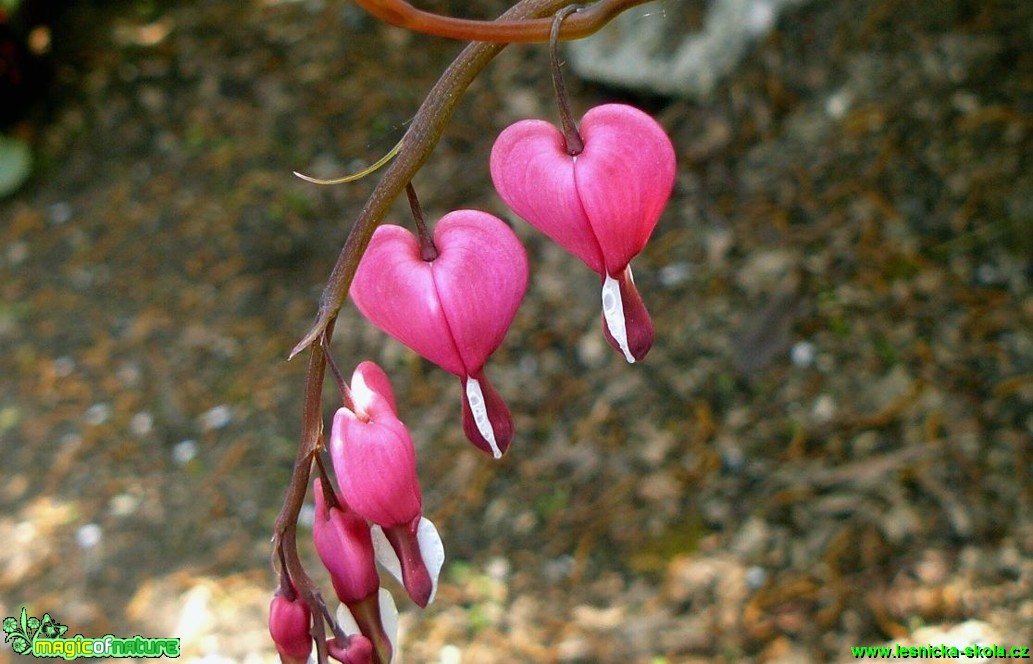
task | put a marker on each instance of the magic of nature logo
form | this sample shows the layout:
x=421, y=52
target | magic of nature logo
x=45, y=638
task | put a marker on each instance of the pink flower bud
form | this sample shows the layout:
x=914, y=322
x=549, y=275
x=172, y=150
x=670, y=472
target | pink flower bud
x=289, y=622
x=453, y=310
x=373, y=453
x=600, y=205
x=344, y=544
x=356, y=649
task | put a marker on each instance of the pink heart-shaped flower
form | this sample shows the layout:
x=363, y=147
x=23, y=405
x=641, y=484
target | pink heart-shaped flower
x=600, y=205
x=453, y=310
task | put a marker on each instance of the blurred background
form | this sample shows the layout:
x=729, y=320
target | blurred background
x=831, y=443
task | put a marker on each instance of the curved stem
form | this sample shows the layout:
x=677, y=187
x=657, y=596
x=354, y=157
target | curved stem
x=427, y=127
x=508, y=29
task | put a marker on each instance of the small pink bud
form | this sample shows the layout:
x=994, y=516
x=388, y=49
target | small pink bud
x=344, y=544
x=453, y=310
x=373, y=453
x=600, y=205
x=289, y=622
x=356, y=649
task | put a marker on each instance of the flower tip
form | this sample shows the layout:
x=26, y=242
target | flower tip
x=487, y=422
x=414, y=555
x=626, y=322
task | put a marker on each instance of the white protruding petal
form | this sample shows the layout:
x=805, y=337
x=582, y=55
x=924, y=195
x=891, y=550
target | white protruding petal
x=385, y=553
x=389, y=619
x=433, y=552
x=346, y=620
x=613, y=314
x=475, y=397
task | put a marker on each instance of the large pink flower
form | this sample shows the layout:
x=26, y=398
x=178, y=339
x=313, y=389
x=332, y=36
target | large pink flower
x=453, y=310
x=600, y=205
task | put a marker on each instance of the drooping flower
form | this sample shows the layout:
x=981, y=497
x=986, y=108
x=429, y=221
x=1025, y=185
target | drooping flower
x=454, y=309
x=600, y=205
x=373, y=453
x=375, y=464
x=289, y=621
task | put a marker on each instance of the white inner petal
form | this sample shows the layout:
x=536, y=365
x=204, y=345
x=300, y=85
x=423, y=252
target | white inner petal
x=613, y=314
x=432, y=551
x=389, y=620
x=480, y=414
x=385, y=553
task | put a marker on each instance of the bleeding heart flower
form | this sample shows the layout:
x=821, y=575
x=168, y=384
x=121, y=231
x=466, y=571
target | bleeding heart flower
x=600, y=205
x=454, y=309
x=375, y=463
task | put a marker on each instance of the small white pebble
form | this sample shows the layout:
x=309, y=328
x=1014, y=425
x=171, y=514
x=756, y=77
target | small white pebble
x=674, y=274
x=184, y=452
x=987, y=274
x=838, y=104
x=451, y=654
x=64, y=366
x=59, y=213
x=216, y=418
x=123, y=504
x=498, y=568
x=756, y=576
x=98, y=413
x=802, y=354
x=88, y=536
x=17, y=252
x=141, y=423
x=824, y=409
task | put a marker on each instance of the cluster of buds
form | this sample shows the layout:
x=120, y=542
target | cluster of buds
x=376, y=518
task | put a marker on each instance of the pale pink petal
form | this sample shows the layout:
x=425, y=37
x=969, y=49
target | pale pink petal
x=394, y=289
x=534, y=175
x=624, y=177
x=480, y=276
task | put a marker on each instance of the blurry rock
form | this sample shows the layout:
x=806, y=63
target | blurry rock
x=652, y=48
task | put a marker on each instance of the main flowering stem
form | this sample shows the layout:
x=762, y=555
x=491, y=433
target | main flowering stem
x=523, y=22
